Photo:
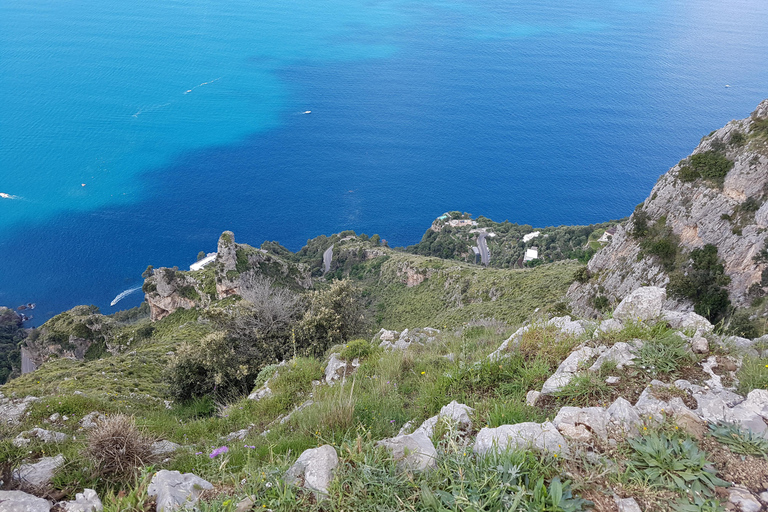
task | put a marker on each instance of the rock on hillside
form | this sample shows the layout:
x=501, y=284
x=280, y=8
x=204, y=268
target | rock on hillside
x=730, y=213
x=167, y=290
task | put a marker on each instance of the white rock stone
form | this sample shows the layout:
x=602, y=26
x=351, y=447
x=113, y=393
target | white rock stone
x=743, y=499
x=40, y=473
x=458, y=413
x=700, y=345
x=686, y=321
x=261, y=393
x=18, y=501
x=46, y=436
x=164, y=447
x=642, y=305
x=623, y=417
x=91, y=420
x=743, y=345
x=86, y=501
x=11, y=411
x=594, y=418
x=510, y=342
x=414, y=452
x=627, y=505
x=567, y=326
x=568, y=369
x=543, y=437
x=336, y=369
x=609, y=325
x=314, y=469
x=612, y=380
x=623, y=354
x=53, y=418
x=532, y=397
x=174, y=490
x=575, y=432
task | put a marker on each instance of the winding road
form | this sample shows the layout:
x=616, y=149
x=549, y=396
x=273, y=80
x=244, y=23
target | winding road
x=327, y=258
x=485, y=254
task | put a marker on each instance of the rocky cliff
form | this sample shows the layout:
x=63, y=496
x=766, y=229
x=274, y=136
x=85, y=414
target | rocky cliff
x=715, y=196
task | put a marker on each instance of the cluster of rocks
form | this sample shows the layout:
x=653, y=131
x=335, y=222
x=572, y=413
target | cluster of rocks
x=395, y=340
x=20, y=501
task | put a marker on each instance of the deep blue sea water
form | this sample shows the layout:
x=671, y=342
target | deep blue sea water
x=133, y=133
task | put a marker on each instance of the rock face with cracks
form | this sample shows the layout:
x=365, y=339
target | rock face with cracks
x=18, y=501
x=414, y=452
x=697, y=213
x=314, y=469
x=543, y=437
x=174, y=490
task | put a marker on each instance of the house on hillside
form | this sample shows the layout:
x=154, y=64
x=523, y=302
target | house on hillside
x=607, y=236
x=531, y=254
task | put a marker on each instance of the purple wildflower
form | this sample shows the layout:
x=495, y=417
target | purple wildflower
x=218, y=451
x=198, y=453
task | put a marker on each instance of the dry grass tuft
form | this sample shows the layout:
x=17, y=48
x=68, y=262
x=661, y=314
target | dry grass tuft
x=118, y=448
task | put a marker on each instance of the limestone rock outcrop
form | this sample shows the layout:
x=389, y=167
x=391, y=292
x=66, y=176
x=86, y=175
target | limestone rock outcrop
x=733, y=217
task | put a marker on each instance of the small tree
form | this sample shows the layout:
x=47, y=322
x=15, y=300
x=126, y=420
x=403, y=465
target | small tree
x=334, y=315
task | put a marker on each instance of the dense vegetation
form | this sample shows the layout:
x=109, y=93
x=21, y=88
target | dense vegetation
x=506, y=245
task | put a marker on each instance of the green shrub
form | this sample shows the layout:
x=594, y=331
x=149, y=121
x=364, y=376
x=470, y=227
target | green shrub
x=703, y=283
x=189, y=292
x=711, y=165
x=688, y=174
x=739, y=324
x=738, y=138
x=334, y=315
x=582, y=275
x=357, y=348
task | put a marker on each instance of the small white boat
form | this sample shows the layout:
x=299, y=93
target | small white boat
x=307, y=112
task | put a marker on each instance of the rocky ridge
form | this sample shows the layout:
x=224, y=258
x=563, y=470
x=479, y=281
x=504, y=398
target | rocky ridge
x=733, y=217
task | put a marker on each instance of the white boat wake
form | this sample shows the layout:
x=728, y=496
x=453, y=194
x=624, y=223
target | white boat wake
x=122, y=295
x=3, y=195
x=202, y=84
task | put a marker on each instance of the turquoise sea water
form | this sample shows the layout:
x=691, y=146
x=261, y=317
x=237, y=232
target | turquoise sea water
x=134, y=133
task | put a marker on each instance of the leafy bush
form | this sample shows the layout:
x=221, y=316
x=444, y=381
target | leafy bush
x=712, y=165
x=688, y=174
x=673, y=463
x=703, y=283
x=357, y=348
x=738, y=138
x=739, y=324
x=334, y=315
x=582, y=275
x=117, y=448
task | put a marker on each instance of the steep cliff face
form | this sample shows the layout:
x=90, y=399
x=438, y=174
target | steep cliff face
x=167, y=290
x=695, y=205
x=79, y=333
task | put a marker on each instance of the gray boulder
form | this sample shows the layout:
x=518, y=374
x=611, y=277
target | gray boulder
x=532, y=397
x=40, y=473
x=164, y=447
x=608, y=325
x=314, y=469
x=11, y=411
x=510, y=342
x=393, y=340
x=174, y=490
x=623, y=354
x=567, y=326
x=699, y=345
x=685, y=321
x=627, y=505
x=18, y=501
x=46, y=436
x=743, y=499
x=543, y=437
x=413, y=452
x=595, y=419
x=623, y=419
x=458, y=413
x=642, y=305
x=567, y=369
x=86, y=501
x=91, y=420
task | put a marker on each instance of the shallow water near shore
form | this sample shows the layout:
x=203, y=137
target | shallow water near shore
x=133, y=134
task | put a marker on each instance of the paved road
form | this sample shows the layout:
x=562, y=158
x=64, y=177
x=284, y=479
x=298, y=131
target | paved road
x=327, y=258
x=485, y=254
